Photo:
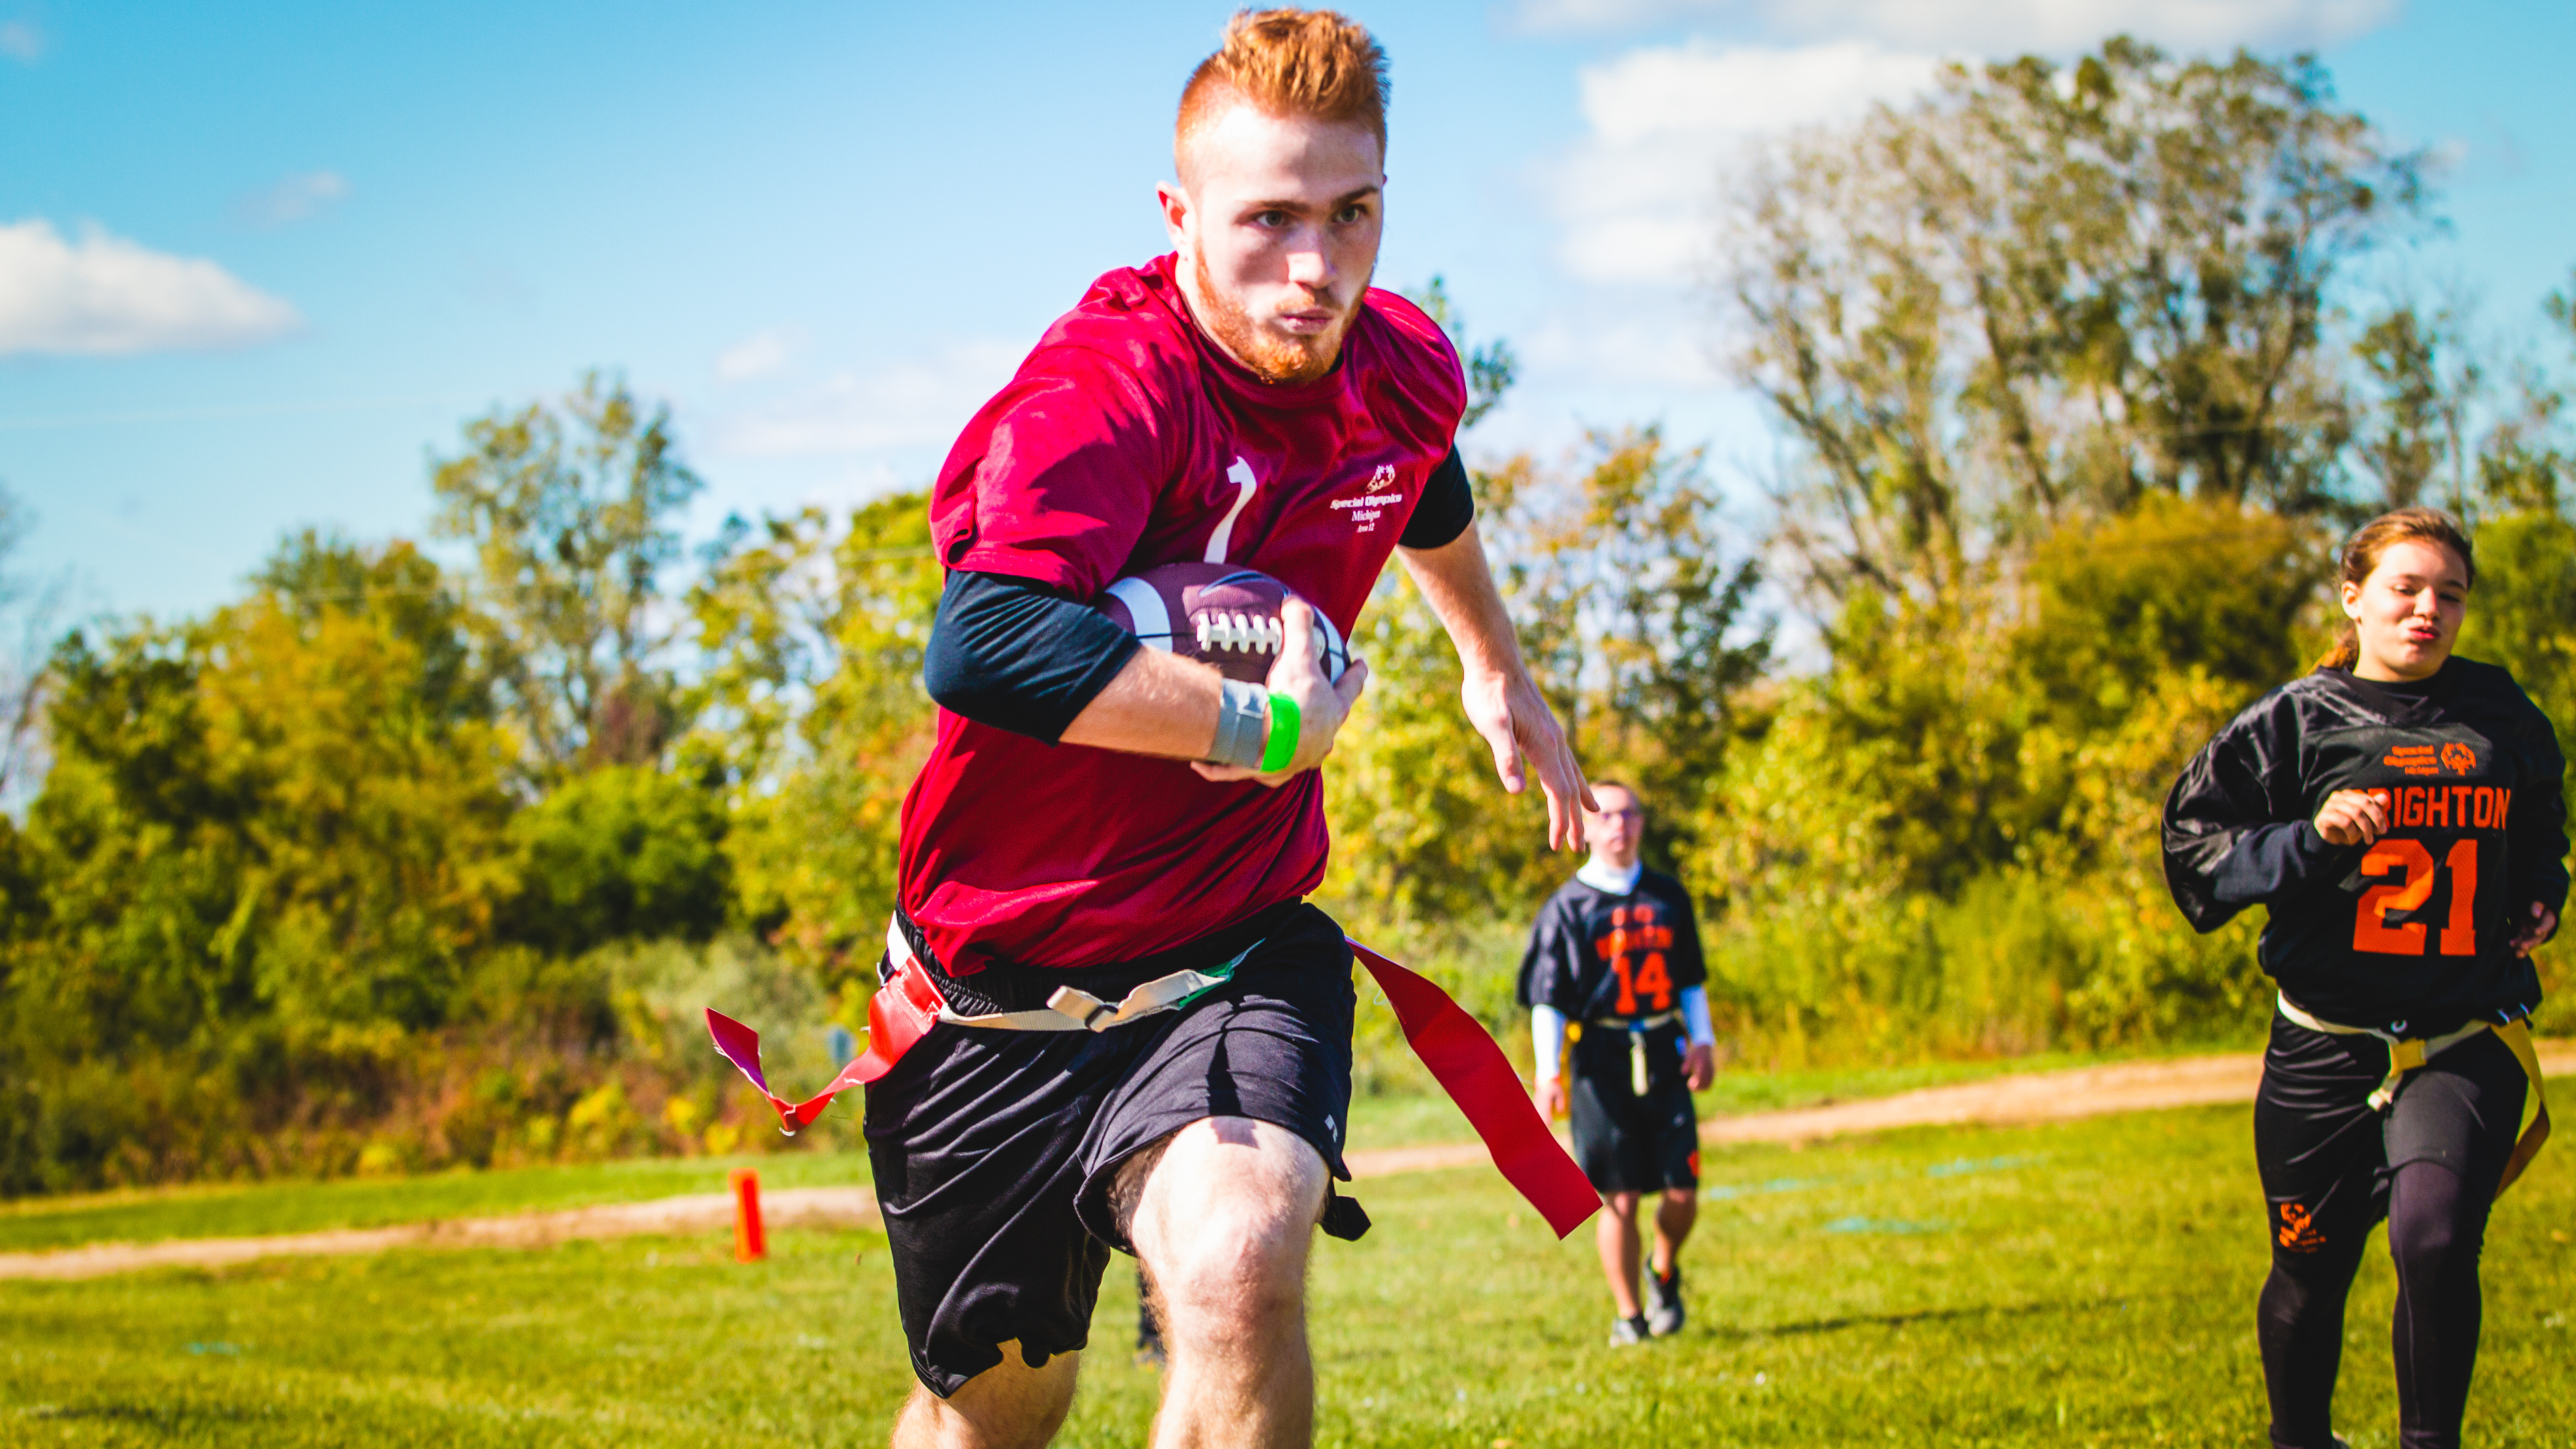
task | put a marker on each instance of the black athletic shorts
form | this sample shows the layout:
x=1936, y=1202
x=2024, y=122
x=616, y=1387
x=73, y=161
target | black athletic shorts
x=994, y=1151
x=1628, y=1143
x=2326, y=1156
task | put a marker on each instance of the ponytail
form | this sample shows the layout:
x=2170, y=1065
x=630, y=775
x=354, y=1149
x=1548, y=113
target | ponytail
x=2361, y=554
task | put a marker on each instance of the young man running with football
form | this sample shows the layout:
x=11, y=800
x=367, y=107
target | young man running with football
x=1614, y=969
x=1246, y=400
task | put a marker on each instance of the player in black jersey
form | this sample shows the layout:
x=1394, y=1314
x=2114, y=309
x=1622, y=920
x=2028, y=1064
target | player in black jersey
x=1614, y=966
x=2401, y=814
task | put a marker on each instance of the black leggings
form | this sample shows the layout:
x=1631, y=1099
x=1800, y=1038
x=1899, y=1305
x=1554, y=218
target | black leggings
x=2333, y=1168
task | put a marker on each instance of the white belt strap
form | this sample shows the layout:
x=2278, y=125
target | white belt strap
x=1071, y=1009
x=2404, y=1053
x=1636, y=1027
x=1637, y=1023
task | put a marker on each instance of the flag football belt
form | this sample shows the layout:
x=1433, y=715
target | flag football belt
x=2405, y=1054
x=1636, y=1027
x=1462, y=1057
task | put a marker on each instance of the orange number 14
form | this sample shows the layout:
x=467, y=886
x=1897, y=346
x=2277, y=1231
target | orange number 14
x=1650, y=979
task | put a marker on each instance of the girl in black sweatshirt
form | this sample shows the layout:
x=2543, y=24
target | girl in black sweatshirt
x=2399, y=812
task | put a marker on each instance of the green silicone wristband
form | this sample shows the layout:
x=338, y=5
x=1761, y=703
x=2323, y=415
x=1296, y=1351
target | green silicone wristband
x=1286, y=725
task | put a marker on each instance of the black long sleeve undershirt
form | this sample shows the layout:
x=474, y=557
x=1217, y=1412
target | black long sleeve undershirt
x=1019, y=656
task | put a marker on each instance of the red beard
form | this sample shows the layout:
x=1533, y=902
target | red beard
x=1273, y=358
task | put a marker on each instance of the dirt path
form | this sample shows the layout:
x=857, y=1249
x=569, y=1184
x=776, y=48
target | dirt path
x=797, y=1207
x=1999, y=1101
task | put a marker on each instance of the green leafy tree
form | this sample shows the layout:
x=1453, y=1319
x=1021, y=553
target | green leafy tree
x=270, y=847
x=1648, y=632
x=2416, y=402
x=2039, y=293
x=812, y=711
x=573, y=513
x=1634, y=625
x=621, y=853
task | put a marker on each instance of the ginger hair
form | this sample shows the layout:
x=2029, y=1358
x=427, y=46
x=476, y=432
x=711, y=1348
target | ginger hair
x=1310, y=63
x=2361, y=555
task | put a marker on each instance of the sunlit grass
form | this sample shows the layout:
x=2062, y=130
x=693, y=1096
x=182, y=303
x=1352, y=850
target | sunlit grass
x=301, y=1207
x=2088, y=1282
x=227, y=1210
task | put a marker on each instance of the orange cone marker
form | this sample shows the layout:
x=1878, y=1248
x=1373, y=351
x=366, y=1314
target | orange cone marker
x=750, y=1244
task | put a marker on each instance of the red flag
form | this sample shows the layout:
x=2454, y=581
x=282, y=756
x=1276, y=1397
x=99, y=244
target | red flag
x=1479, y=1078
x=895, y=1021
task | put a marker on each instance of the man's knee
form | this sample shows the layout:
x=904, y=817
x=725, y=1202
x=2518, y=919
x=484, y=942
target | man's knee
x=1224, y=1221
x=1622, y=1205
x=1008, y=1406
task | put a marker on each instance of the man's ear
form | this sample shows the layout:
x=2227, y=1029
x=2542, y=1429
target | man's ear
x=1176, y=213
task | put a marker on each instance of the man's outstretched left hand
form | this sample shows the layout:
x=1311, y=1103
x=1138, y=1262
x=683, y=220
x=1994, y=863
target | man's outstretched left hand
x=1523, y=734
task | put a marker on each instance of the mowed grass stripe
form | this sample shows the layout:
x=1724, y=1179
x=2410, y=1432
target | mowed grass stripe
x=2085, y=1282
x=250, y=1209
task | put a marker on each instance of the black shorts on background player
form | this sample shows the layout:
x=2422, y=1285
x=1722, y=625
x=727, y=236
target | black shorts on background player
x=994, y=1151
x=1624, y=1142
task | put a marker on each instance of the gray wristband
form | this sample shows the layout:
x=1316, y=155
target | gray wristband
x=1242, y=725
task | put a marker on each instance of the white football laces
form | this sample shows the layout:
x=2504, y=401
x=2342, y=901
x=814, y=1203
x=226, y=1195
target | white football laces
x=1249, y=633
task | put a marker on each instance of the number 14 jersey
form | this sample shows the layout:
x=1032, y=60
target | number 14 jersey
x=1595, y=955
x=2412, y=933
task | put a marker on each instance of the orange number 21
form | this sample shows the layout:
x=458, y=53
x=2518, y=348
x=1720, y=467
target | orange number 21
x=2370, y=928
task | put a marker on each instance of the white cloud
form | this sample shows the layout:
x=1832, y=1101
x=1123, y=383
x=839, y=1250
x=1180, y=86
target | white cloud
x=1701, y=89
x=1637, y=195
x=918, y=403
x=763, y=354
x=1988, y=27
x=102, y=294
x=296, y=198
x=22, y=42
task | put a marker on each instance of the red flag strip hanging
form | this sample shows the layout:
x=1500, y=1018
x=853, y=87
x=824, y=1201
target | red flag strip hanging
x=1479, y=1078
x=898, y=1015
x=1461, y=1055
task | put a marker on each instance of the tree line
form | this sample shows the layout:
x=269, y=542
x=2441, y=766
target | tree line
x=2076, y=374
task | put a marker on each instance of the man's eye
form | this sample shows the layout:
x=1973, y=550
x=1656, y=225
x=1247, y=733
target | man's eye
x=1350, y=214
x=1270, y=218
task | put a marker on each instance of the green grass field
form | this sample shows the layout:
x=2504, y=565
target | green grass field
x=2082, y=1283
x=229, y=1210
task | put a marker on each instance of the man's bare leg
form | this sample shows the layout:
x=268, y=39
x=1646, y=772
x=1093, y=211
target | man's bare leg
x=1673, y=1219
x=1616, y=1236
x=1007, y=1406
x=1222, y=1223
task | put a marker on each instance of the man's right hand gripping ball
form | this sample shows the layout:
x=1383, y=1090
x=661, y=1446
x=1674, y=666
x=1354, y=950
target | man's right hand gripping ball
x=1322, y=704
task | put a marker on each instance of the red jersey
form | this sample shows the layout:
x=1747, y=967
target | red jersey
x=1130, y=439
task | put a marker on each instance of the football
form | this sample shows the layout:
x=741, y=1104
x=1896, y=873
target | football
x=1225, y=614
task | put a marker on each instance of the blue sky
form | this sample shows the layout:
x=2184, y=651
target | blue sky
x=257, y=262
